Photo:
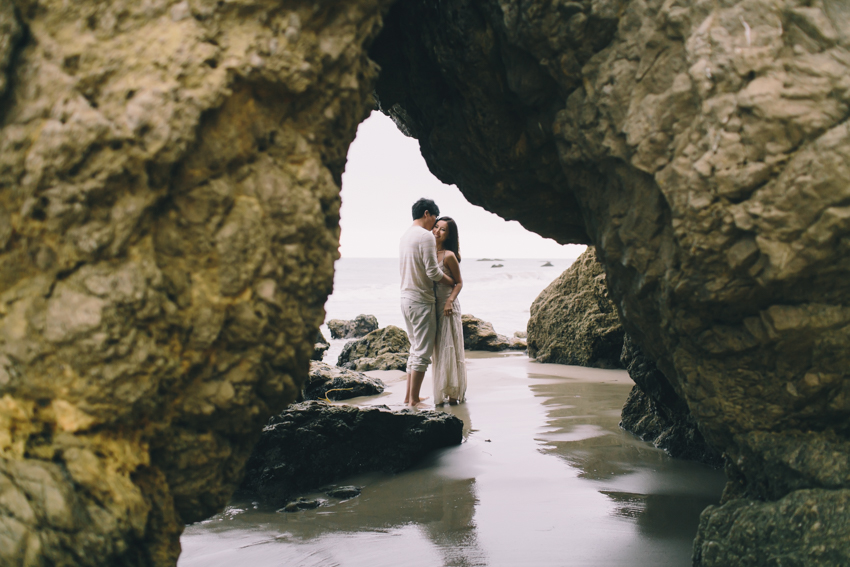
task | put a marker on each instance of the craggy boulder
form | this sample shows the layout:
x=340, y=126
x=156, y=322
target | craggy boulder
x=334, y=383
x=384, y=349
x=321, y=347
x=314, y=443
x=655, y=412
x=574, y=321
x=169, y=209
x=704, y=149
x=480, y=335
x=360, y=326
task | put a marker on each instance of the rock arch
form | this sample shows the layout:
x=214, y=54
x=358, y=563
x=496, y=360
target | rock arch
x=169, y=176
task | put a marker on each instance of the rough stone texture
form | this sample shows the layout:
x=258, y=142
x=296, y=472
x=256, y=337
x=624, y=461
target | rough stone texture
x=345, y=384
x=806, y=528
x=573, y=321
x=169, y=207
x=361, y=326
x=655, y=412
x=314, y=443
x=386, y=361
x=169, y=177
x=387, y=341
x=321, y=347
x=480, y=335
x=703, y=147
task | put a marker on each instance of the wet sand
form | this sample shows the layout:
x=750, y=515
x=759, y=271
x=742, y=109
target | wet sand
x=544, y=477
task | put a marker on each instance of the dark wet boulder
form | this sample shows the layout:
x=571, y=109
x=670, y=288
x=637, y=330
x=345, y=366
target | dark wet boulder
x=314, y=443
x=573, y=321
x=378, y=345
x=322, y=346
x=335, y=383
x=344, y=492
x=360, y=326
x=657, y=414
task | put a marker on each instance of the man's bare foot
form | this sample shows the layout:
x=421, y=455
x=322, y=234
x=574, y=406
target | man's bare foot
x=417, y=403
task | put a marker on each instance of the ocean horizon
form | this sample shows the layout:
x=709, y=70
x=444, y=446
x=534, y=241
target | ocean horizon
x=500, y=295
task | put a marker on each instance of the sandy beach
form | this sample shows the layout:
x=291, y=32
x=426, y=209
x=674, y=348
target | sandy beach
x=544, y=477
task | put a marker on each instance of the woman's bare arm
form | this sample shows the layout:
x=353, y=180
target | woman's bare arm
x=452, y=265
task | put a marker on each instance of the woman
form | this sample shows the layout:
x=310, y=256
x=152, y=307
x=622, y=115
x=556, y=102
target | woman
x=449, y=362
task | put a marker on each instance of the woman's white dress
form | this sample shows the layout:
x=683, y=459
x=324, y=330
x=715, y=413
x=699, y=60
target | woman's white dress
x=449, y=363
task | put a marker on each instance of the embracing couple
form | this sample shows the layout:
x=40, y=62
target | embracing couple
x=429, y=261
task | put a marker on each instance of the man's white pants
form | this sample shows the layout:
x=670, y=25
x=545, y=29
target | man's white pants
x=421, y=322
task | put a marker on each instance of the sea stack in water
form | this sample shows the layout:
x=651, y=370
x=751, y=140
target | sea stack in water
x=573, y=321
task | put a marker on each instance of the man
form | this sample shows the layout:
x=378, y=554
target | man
x=417, y=254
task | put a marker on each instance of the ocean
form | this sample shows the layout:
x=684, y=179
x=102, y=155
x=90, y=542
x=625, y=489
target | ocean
x=499, y=295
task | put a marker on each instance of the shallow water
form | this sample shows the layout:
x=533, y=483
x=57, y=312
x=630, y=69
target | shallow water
x=544, y=477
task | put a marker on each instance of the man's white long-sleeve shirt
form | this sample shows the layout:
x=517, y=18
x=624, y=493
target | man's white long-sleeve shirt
x=417, y=253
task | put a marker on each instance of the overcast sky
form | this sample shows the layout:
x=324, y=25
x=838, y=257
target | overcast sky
x=386, y=174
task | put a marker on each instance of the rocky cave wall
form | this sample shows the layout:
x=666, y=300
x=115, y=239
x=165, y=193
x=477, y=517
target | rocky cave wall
x=169, y=179
x=703, y=146
x=169, y=176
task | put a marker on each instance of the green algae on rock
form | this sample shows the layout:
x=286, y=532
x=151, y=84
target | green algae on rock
x=169, y=210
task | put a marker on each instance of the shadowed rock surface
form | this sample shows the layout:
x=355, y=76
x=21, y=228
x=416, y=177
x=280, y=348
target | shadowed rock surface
x=360, y=326
x=807, y=527
x=314, y=443
x=345, y=384
x=321, y=347
x=573, y=321
x=384, y=349
x=169, y=209
x=655, y=412
x=704, y=149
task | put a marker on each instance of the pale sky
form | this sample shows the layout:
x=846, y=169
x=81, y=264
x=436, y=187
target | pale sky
x=386, y=174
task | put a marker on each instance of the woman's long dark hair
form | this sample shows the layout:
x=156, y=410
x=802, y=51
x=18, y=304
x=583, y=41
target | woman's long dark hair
x=452, y=242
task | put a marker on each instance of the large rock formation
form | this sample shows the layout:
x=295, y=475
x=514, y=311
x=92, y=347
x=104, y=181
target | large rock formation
x=169, y=175
x=573, y=321
x=169, y=208
x=655, y=412
x=704, y=148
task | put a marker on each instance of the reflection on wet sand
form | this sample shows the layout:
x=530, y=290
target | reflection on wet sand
x=582, y=428
x=543, y=477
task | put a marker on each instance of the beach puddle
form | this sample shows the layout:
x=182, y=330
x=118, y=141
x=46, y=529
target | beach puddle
x=544, y=476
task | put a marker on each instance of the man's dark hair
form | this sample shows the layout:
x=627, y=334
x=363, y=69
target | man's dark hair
x=422, y=205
